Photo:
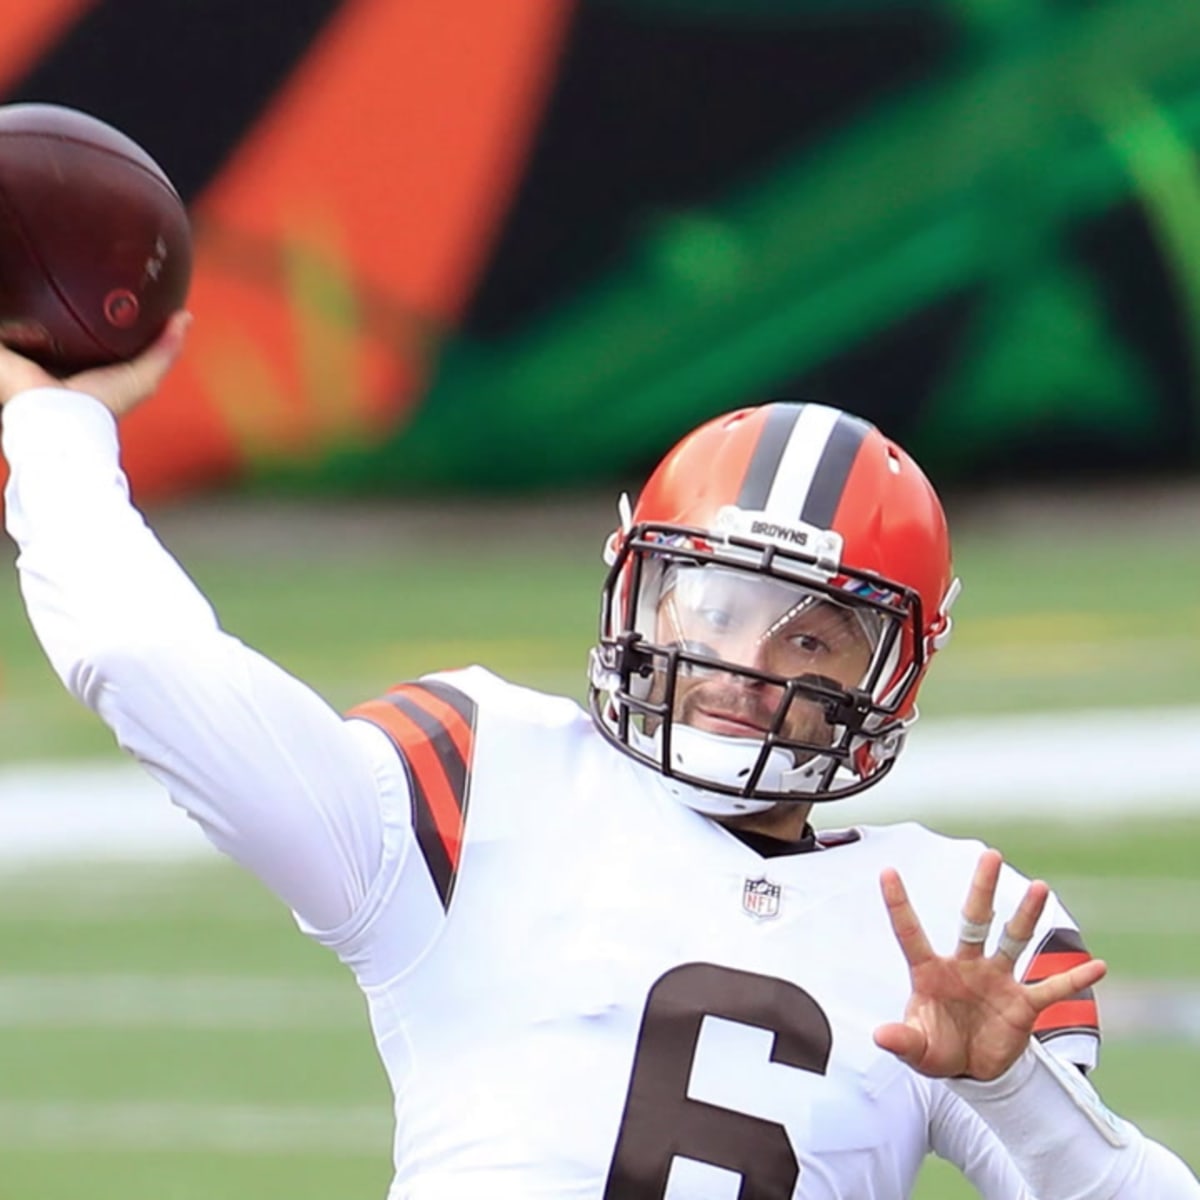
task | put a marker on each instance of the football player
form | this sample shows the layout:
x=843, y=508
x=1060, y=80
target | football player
x=605, y=953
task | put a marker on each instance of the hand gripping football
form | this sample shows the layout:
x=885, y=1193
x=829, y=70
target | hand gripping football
x=95, y=246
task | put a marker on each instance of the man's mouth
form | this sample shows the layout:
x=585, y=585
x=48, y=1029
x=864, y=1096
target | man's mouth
x=728, y=723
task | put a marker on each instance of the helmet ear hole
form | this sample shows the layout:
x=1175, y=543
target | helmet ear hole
x=943, y=623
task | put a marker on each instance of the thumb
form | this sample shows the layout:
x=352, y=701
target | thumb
x=905, y=1042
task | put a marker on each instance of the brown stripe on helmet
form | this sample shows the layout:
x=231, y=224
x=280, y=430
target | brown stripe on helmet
x=833, y=470
x=772, y=441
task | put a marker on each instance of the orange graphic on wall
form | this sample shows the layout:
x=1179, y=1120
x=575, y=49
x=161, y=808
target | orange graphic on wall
x=345, y=233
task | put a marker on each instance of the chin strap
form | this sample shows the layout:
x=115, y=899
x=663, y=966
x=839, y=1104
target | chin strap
x=728, y=761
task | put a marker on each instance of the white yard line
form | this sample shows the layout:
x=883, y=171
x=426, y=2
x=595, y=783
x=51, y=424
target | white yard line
x=1104, y=765
x=211, y=1128
x=1149, y=1010
x=187, y=1003
x=89, y=812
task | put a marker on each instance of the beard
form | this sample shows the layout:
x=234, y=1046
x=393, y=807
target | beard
x=754, y=705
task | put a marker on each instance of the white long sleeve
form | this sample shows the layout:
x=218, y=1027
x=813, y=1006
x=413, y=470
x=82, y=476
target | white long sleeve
x=274, y=776
x=959, y=1136
x=1044, y=1122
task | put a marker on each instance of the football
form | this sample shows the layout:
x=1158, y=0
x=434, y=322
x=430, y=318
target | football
x=95, y=244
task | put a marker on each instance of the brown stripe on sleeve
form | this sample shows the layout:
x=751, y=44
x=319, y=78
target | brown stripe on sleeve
x=432, y=727
x=1061, y=941
x=1049, y=963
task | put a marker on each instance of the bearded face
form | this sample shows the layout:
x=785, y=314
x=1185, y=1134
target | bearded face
x=762, y=625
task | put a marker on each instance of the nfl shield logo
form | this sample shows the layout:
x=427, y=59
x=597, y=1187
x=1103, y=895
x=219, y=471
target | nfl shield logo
x=760, y=897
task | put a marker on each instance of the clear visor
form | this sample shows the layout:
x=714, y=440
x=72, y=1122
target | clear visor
x=752, y=678
x=763, y=624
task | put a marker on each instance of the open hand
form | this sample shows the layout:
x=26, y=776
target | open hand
x=120, y=387
x=968, y=1015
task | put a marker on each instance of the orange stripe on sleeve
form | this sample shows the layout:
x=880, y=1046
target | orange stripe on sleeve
x=450, y=718
x=1068, y=1014
x=426, y=766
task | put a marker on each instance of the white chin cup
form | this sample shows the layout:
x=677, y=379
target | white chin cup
x=724, y=760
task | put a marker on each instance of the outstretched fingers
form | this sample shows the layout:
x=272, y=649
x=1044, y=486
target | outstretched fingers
x=978, y=910
x=905, y=923
x=1019, y=928
x=1065, y=984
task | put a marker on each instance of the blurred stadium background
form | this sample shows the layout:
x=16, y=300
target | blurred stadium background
x=464, y=270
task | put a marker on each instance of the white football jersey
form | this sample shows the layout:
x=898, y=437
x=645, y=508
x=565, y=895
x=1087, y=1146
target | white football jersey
x=582, y=988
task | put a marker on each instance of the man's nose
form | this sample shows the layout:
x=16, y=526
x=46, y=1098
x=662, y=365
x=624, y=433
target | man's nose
x=752, y=652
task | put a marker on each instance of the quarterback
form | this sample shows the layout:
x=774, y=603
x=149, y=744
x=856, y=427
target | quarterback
x=605, y=954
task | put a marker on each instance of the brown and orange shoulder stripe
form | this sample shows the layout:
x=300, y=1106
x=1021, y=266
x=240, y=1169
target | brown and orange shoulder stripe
x=1060, y=950
x=432, y=726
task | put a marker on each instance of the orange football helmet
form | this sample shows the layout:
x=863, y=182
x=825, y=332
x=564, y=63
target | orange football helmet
x=773, y=603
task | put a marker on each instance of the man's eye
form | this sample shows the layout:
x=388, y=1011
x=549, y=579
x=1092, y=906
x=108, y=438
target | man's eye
x=717, y=618
x=810, y=643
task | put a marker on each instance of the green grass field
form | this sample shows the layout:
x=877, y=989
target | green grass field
x=164, y=1031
